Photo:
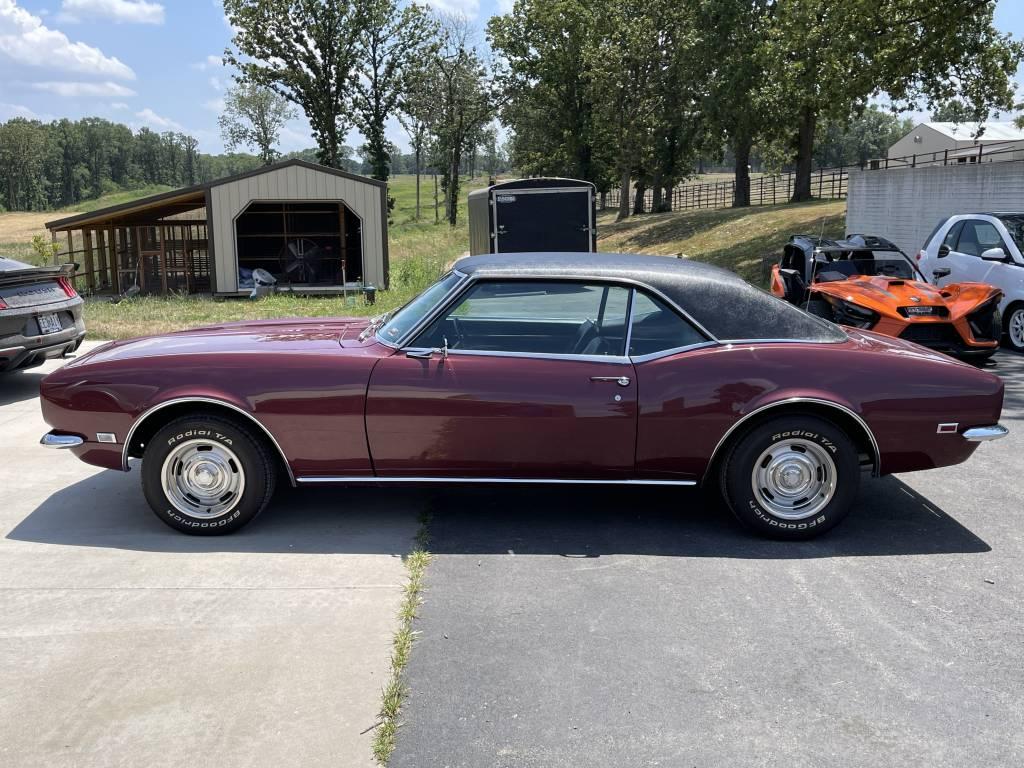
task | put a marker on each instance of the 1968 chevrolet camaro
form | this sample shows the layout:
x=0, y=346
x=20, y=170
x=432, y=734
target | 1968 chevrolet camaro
x=549, y=368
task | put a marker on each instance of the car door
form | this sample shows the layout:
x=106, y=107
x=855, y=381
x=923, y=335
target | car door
x=527, y=379
x=974, y=237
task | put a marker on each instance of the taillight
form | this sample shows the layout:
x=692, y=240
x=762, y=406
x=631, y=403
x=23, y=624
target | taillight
x=919, y=255
x=3, y=304
x=69, y=289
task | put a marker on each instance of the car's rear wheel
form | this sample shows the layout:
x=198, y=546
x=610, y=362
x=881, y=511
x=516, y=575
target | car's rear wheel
x=793, y=477
x=207, y=475
x=1013, y=325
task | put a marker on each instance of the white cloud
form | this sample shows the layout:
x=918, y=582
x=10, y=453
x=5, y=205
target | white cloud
x=25, y=39
x=120, y=11
x=467, y=8
x=120, y=105
x=210, y=62
x=214, y=105
x=216, y=84
x=153, y=120
x=8, y=111
x=505, y=6
x=74, y=89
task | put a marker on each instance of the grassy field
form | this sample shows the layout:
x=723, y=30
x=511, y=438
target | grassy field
x=421, y=250
x=736, y=239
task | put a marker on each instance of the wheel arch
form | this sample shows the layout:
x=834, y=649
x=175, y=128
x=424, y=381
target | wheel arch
x=844, y=417
x=157, y=416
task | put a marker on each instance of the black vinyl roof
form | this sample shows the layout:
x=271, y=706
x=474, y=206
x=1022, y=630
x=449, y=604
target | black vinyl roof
x=726, y=305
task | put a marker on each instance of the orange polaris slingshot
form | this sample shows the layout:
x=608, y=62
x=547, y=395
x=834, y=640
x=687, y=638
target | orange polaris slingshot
x=868, y=282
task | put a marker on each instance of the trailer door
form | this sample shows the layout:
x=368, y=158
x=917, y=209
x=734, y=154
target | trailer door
x=531, y=220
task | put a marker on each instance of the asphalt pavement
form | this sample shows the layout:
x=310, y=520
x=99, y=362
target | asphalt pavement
x=124, y=643
x=641, y=627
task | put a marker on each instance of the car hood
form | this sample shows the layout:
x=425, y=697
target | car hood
x=314, y=335
x=886, y=294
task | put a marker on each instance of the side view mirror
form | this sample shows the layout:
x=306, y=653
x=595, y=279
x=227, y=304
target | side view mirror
x=941, y=272
x=993, y=254
x=426, y=354
x=943, y=251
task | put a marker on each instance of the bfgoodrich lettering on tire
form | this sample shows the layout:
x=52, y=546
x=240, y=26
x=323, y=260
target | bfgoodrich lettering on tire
x=792, y=477
x=207, y=475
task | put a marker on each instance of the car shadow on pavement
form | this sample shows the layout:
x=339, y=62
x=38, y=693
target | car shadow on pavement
x=107, y=510
x=889, y=519
x=19, y=387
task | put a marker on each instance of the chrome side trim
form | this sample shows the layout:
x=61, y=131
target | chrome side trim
x=51, y=440
x=618, y=360
x=744, y=342
x=984, y=434
x=790, y=401
x=506, y=480
x=674, y=351
x=212, y=401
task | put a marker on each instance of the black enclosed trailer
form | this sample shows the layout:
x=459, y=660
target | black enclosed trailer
x=533, y=215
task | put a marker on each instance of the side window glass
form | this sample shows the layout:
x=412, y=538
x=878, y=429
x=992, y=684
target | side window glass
x=952, y=235
x=973, y=235
x=538, y=317
x=656, y=327
x=987, y=236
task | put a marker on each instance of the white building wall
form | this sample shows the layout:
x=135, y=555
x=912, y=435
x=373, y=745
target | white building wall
x=905, y=204
x=295, y=183
x=931, y=141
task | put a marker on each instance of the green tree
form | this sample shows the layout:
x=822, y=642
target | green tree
x=392, y=49
x=858, y=139
x=305, y=50
x=462, y=104
x=253, y=116
x=22, y=160
x=952, y=111
x=824, y=60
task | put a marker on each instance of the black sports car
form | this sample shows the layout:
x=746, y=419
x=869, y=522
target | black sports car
x=40, y=314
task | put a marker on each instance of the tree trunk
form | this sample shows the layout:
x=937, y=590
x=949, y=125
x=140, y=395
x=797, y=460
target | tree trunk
x=657, y=189
x=437, y=215
x=638, y=199
x=417, y=183
x=453, y=190
x=804, y=156
x=623, y=195
x=741, y=149
x=668, y=198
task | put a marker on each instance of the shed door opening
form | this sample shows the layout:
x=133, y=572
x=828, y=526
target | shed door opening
x=310, y=243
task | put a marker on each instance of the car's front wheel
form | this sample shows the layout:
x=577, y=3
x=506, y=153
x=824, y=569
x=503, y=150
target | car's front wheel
x=1013, y=325
x=792, y=477
x=207, y=475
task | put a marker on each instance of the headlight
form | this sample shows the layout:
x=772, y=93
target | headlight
x=847, y=313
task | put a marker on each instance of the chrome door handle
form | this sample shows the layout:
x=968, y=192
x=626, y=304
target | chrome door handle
x=622, y=381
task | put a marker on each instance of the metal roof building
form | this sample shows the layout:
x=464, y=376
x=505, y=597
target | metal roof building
x=315, y=229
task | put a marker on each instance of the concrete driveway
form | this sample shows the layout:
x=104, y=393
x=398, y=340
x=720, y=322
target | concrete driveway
x=641, y=628
x=123, y=642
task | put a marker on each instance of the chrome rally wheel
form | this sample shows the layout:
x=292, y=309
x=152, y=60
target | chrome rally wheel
x=207, y=474
x=795, y=479
x=202, y=478
x=792, y=476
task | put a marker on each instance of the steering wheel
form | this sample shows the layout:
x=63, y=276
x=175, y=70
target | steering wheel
x=889, y=270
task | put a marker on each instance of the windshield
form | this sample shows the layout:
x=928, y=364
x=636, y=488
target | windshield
x=1015, y=226
x=401, y=322
x=866, y=263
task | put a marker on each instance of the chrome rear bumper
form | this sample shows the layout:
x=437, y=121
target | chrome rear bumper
x=984, y=434
x=51, y=440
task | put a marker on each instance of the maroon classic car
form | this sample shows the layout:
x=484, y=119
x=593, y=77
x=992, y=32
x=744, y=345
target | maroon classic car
x=528, y=368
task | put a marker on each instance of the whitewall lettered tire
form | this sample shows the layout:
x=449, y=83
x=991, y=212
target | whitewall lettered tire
x=792, y=477
x=207, y=475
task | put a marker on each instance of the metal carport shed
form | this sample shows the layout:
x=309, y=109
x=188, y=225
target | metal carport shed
x=315, y=229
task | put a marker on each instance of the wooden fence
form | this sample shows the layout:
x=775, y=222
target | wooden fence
x=826, y=183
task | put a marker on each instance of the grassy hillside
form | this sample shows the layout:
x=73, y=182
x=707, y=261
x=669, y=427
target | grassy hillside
x=736, y=239
x=420, y=251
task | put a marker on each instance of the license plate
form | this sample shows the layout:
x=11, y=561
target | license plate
x=48, y=324
x=919, y=310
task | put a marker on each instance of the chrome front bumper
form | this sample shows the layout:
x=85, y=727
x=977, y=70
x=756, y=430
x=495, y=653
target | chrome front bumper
x=51, y=440
x=984, y=434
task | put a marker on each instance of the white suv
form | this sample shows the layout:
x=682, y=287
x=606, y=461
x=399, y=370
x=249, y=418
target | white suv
x=982, y=248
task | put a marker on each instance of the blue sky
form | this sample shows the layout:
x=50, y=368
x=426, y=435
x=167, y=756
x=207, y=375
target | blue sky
x=157, y=62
